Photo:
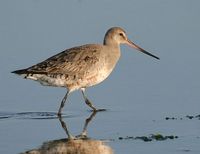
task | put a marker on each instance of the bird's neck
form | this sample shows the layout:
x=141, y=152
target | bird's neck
x=112, y=55
x=111, y=44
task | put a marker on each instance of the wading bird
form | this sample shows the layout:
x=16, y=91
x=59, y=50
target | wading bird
x=82, y=66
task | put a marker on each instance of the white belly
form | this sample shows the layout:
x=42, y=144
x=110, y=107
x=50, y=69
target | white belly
x=47, y=80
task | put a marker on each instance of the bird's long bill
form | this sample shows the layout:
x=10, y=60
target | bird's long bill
x=133, y=45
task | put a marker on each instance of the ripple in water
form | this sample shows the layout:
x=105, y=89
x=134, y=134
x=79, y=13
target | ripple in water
x=32, y=115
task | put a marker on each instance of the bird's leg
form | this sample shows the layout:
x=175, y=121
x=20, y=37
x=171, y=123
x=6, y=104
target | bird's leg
x=87, y=101
x=63, y=102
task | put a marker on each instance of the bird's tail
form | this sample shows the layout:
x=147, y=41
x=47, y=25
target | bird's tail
x=22, y=72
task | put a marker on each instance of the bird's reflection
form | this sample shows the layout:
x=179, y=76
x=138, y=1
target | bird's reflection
x=83, y=134
x=80, y=144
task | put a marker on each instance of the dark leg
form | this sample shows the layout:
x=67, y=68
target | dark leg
x=87, y=101
x=63, y=102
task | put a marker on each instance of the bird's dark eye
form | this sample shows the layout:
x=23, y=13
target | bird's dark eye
x=121, y=34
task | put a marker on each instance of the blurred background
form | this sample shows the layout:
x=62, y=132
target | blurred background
x=34, y=30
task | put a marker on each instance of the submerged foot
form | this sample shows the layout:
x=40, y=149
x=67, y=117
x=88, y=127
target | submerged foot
x=58, y=114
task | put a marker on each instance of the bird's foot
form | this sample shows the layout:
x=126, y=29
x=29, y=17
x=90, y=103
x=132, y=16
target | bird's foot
x=98, y=110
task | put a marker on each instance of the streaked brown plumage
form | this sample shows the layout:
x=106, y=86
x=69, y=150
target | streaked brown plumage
x=81, y=67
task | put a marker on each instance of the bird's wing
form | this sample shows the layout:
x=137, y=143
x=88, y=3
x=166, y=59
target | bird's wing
x=72, y=61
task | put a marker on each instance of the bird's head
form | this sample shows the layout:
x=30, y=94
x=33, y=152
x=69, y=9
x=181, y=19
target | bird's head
x=116, y=36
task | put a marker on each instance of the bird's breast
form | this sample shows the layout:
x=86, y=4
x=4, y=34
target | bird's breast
x=101, y=72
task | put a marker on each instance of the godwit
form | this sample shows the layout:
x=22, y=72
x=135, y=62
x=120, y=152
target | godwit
x=81, y=67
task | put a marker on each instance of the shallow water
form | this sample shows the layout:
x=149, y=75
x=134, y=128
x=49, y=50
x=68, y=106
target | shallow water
x=28, y=131
x=143, y=96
